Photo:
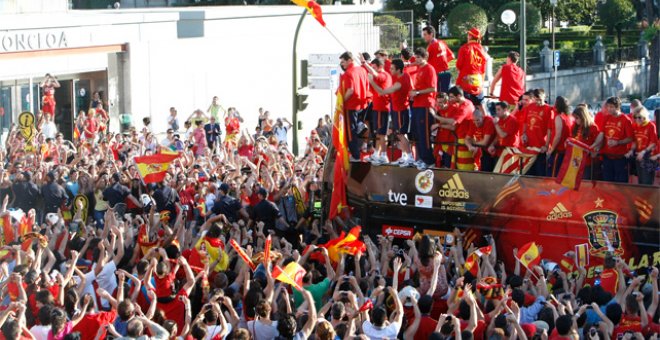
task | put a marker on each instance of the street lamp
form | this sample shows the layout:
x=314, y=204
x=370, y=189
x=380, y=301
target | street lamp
x=429, y=9
x=554, y=5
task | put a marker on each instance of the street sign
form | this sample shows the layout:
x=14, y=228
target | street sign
x=557, y=58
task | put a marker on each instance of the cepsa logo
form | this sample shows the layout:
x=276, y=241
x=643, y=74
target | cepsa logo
x=454, y=189
x=398, y=231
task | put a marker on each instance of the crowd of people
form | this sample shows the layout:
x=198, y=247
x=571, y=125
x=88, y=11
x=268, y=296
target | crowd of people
x=90, y=251
x=410, y=100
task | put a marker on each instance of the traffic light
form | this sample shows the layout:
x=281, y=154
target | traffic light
x=302, y=101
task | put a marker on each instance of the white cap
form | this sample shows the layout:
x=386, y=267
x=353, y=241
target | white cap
x=408, y=292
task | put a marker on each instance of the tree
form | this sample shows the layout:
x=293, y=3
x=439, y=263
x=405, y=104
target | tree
x=393, y=31
x=465, y=16
x=533, y=17
x=578, y=12
x=615, y=15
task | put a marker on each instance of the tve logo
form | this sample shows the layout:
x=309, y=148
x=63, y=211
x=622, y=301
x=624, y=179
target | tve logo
x=400, y=198
x=398, y=231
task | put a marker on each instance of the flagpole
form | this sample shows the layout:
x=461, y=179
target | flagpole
x=529, y=270
x=337, y=39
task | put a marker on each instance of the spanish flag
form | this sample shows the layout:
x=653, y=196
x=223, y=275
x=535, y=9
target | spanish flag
x=7, y=235
x=215, y=249
x=572, y=168
x=484, y=251
x=346, y=244
x=313, y=8
x=529, y=255
x=472, y=264
x=29, y=237
x=25, y=225
x=153, y=168
x=338, y=201
x=582, y=255
x=143, y=240
x=292, y=274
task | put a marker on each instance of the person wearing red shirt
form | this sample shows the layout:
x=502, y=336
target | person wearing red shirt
x=471, y=65
x=617, y=133
x=517, y=110
x=400, y=114
x=479, y=136
x=585, y=130
x=444, y=138
x=439, y=57
x=560, y=130
x=513, y=80
x=423, y=97
x=536, y=130
x=506, y=130
x=645, y=138
x=354, y=85
x=91, y=127
x=409, y=62
x=459, y=122
x=380, y=110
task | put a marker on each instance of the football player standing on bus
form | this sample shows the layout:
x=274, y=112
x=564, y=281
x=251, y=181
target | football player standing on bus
x=380, y=112
x=471, y=65
x=49, y=85
x=354, y=83
x=423, y=97
x=439, y=57
x=400, y=114
x=538, y=118
x=513, y=80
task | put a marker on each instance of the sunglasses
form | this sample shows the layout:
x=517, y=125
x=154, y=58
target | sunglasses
x=637, y=117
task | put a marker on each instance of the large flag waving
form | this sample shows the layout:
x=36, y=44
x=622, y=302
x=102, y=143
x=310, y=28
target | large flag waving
x=153, y=168
x=346, y=243
x=313, y=8
x=570, y=174
x=338, y=201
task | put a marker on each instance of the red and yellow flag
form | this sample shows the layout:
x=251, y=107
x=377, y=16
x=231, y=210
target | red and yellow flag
x=292, y=274
x=529, y=255
x=338, y=200
x=243, y=255
x=7, y=235
x=345, y=244
x=472, y=264
x=572, y=168
x=313, y=8
x=29, y=237
x=143, y=240
x=484, y=251
x=153, y=168
x=339, y=140
x=582, y=255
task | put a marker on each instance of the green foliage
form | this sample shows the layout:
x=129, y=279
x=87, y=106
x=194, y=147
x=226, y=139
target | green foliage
x=616, y=14
x=576, y=12
x=533, y=18
x=465, y=16
x=393, y=31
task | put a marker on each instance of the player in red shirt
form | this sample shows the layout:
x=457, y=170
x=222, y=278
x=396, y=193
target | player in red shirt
x=400, y=114
x=380, y=109
x=513, y=80
x=423, y=97
x=479, y=136
x=439, y=57
x=444, y=138
x=617, y=133
x=471, y=65
x=354, y=84
x=536, y=130
x=561, y=129
x=585, y=130
x=506, y=129
x=48, y=86
x=458, y=121
x=645, y=138
x=409, y=62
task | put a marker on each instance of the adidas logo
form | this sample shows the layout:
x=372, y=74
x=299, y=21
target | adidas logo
x=559, y=212
x=454, y=188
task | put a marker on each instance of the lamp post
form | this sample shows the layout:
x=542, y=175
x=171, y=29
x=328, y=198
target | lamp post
x=522, y=24
x=554, y=61
x=429, y=9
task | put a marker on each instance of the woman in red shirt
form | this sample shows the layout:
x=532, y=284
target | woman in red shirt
x=561, y=128
x=585, y=130
x=645, y=137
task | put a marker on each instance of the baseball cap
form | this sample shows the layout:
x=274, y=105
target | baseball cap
x=224, y=187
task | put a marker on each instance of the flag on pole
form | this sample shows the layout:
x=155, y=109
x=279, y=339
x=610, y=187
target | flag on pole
x=472, y=264
x=529, y=255
x=339, y=140
x=582, y=255
x=511, y=159
x=567, y=264
x=338, y=200
x=572, y=168
x=153, y=168
x=292, y=274
x=242, y=254
x=345, y=244
x=313, y=8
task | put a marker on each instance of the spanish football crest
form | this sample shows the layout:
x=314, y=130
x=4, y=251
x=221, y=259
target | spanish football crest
x=603, y=232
